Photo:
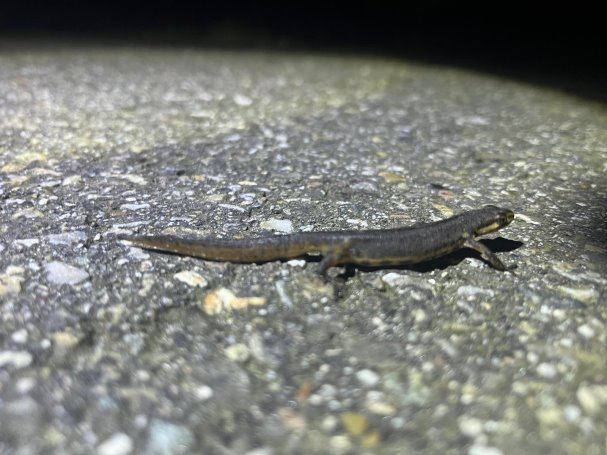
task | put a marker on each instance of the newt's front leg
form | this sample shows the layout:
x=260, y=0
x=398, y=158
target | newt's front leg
x=488, y=255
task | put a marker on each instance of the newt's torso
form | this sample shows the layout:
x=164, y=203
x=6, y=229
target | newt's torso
x=380, y=247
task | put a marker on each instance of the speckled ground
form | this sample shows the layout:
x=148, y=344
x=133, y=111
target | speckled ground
x=110, y=349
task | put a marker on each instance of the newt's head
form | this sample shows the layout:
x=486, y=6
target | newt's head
x=492, y=218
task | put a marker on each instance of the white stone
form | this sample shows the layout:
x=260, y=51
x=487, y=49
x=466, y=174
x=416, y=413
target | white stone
x=71, y=180
x=62, y=273
x=419, y=316
x=169, y=438
x=117, y=444
x=474, y=290
x=18, y=359
x=367, y=378
x=238, y=352
x=138, y=254
x=546, y=370
x=136, y=179
x=274, y=224
x=134, y=207
x=191, y=278
x=586, y=331
x=24, y=385
x=27, y=242
x=19, y=336
x=392, y=279
x=261, y=451
x=242, y=100
x=66, y=238
x=586, y=295
x=572, y=413
x=203, y=392
x=592, y=398
x=296, y=262
x=484, y=450
x=470, y=426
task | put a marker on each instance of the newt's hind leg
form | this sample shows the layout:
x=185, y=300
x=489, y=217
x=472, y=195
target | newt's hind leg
x=336, y=256
x=488, y=255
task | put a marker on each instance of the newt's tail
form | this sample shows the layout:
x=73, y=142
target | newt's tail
x=259, y=249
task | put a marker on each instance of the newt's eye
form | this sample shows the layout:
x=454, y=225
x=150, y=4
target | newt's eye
x=507, y=217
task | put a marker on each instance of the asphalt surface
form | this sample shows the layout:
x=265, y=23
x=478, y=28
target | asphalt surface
x=109, y=349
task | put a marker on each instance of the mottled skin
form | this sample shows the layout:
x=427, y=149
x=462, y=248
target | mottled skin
x=379, y=247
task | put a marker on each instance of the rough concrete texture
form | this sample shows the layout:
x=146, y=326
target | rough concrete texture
x=111, y=349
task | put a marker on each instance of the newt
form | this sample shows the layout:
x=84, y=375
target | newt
x=376, y=247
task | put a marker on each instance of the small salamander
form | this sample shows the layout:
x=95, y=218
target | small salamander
x=378, y=247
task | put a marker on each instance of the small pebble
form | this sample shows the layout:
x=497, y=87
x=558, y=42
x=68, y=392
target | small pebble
x=393, y=278
x=585, y=295
x=10, y=284
x=274, y=224
x=296, y=263
x=138, y=254
x=476, y=120
x=525, y=218
x=470, y=291
x=28, y=214
x=25, y=385
x=232, y=207
x=18, y=359
x=66, y=238
x=62, y=273
x=339, y=444
x=64, y=341
x=572, y=413
x=283, y=294
x=222, y=299
x=117, y=444
x=203, y=392
x=365, y=187
x=15, y=270
x=261, y=451
x=191, y=278
x=546, y=370
x=329, y=423
x=26, y=242
x=136, y=179
x=19, y=336
x=470, y=426
x=238, y=353
x=367, y=378
x=592, y=398
x=391, y=177
x=381, y=408
x=419, y=316
x=549, y=416
x=134, y=207
x=50, y=183
x=444, y=210
x=71, y=180
x=316, y=399
x=354, y=423
x=586, y=331
x=327, y=391
x=166, y=438
x=484, y=450
x=242, y=100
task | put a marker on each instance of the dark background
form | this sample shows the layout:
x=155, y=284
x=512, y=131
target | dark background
x=562, y=46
